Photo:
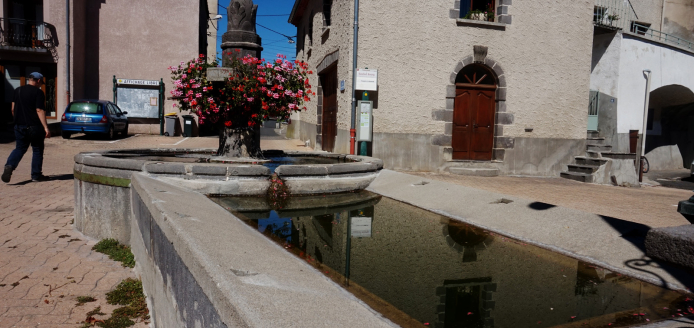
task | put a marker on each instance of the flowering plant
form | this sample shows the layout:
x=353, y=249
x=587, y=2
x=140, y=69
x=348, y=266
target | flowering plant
x=255, y=90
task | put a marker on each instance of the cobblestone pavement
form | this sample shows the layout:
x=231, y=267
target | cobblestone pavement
x=44, y=263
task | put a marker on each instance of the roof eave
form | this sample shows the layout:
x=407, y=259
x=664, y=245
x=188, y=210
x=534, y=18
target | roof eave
x=297, y=11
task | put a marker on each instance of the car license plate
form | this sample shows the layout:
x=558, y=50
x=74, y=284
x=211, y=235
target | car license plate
x=83, y=119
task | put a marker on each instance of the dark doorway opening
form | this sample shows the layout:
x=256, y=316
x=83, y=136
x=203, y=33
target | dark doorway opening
x=328, y=82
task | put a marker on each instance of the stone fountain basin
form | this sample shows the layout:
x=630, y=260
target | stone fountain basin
x=103, y=180
x=347, y=173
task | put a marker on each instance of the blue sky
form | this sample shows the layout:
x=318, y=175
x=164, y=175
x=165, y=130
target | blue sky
x=273, y=43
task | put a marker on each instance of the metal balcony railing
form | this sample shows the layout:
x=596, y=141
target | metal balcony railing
x=661, y=36
x=614, y=14
x=24, y=33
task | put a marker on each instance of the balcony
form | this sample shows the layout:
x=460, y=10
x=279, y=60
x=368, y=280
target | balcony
x=26, y=35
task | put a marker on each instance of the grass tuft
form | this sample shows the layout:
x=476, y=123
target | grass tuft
x=84, y=299
x=116, y=251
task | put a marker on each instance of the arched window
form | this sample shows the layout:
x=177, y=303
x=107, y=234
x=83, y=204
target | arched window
x=476, y=75
x=327, y=7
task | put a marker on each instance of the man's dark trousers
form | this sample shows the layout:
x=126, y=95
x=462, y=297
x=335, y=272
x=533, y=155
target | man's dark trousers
x=28, y=135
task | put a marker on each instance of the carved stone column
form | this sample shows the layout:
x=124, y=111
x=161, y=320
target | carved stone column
x=241, y=34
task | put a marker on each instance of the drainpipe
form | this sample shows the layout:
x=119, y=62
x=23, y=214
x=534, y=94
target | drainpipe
x=67, y=74
x=647, y=72
x=353, y=131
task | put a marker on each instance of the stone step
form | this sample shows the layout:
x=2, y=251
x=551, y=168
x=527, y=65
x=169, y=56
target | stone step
x=619, y=155
x=582, y=177
x=593, y=134
x=600, y=148
x=583, y=160
x=587, y=169
x=595, y=141
x=593, y=154
x=471, y=171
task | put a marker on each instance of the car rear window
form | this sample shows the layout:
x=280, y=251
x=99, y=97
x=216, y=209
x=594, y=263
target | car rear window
x=86, y=108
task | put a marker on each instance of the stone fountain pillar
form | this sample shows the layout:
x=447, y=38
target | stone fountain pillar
x=241, y=34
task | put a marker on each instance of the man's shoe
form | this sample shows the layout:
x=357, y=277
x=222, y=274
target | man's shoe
x=7, y=173
x=40, y=178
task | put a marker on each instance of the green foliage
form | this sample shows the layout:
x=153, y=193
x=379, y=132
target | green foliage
x=116, y=251
x=116, y=322
x=84, y=299
x=127, y=292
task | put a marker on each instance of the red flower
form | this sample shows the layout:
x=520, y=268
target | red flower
x=227, y=124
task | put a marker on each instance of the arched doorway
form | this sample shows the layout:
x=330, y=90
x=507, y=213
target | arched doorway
x=473, y=113
x=669, y=132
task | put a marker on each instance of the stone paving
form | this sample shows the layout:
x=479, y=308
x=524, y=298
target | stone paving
x=654, y=206
x=45, y=264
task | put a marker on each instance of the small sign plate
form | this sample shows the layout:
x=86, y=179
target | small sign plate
x=361, y=227
x=218, y=74
x=367, y=79
x=137, y=82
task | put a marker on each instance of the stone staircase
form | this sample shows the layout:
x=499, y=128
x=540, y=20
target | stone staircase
x=586, y=166
x=601, y=165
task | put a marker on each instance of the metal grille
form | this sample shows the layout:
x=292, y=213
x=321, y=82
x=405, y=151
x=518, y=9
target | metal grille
x=615, y=14
x=24, y=33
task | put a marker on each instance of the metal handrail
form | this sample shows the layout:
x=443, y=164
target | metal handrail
x=24, y=33
x=660, y=36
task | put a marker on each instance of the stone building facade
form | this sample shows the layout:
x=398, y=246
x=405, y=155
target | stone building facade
x=127, y=38
x=536, y=76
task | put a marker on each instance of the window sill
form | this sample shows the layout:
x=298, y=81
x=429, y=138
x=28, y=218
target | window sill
x=479, y=23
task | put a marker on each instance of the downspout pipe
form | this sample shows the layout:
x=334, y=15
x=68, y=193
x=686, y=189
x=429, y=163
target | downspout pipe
x=67, y=73
x=355, y=44
x=647, y=101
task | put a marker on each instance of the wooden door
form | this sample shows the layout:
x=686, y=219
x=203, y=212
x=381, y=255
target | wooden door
x=473, y=124
x=329, y=121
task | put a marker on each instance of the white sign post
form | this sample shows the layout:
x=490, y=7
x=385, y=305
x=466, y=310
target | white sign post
x=367, y=79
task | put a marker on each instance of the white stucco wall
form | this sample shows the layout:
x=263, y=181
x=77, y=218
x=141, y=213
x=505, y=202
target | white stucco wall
x=668, y=66
x=606, y=54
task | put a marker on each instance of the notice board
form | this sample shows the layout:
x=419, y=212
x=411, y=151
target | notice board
x=140, y=98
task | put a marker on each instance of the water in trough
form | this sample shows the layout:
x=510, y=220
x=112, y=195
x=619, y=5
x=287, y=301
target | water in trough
x=419, y=268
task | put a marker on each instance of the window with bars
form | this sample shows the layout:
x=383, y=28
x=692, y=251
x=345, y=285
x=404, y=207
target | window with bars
x=484, y=10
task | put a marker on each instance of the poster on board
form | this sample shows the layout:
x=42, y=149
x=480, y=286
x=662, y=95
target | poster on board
x=138, y=102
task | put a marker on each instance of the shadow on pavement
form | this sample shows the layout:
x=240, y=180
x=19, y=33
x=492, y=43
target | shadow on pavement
x=635, y=233
x=540, y=206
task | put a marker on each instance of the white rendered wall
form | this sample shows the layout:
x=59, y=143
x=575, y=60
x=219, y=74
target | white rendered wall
x=605, y=67
x=668, y=66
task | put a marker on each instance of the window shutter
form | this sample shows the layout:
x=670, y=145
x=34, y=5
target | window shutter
x=465, y=6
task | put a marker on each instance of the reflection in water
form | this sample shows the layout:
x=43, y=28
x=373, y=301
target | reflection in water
x=270, y=161
x=416, y=267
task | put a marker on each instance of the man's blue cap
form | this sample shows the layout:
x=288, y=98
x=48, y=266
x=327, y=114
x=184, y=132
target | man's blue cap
x=36, y=76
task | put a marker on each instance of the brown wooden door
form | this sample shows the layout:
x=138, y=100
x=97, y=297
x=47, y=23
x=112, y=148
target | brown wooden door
x=329, y=122
x=473, y=124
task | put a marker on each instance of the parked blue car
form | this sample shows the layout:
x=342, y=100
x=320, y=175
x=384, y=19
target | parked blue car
x=94, y=116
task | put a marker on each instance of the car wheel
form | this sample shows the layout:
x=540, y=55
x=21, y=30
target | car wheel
x=111, y=133
x=66, y=135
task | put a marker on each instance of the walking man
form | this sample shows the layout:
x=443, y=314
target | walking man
x=30, y=127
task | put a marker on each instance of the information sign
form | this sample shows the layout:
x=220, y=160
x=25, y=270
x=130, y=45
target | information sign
x=365, y=125
x=138, y=82
x=361, y=226
x=367, y=79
